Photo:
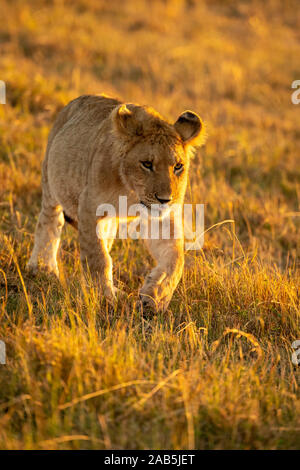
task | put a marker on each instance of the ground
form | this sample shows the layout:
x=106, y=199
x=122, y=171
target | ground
x=215, y=371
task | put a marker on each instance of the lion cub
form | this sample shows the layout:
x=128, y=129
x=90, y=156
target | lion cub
x=100, y=149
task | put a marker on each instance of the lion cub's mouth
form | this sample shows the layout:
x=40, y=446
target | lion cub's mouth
x=156, y=210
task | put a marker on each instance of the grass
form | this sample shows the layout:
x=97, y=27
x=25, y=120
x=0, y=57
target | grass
x=215, y=371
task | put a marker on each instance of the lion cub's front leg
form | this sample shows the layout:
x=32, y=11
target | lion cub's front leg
x=94, y=252
x=160, y=284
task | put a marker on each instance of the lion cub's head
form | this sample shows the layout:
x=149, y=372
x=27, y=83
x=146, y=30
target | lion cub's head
x=155, y=154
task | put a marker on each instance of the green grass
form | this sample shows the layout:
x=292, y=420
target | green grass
x=215, y=371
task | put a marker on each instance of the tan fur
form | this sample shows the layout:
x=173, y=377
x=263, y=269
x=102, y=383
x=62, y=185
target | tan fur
x=94, y=155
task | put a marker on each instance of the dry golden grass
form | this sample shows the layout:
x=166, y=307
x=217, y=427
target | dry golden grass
x=214, y=372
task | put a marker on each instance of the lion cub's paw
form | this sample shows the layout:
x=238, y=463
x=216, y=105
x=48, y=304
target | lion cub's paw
x=35, y=268
x=151, y=305
x=113, y=294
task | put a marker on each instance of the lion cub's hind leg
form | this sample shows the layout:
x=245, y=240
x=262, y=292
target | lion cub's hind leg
x=47, y=238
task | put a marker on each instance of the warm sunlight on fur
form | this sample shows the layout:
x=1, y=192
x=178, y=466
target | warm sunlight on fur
x=93, y=157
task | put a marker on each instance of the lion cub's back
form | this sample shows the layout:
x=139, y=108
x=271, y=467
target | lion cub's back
x=88, y=108
x=70, y=144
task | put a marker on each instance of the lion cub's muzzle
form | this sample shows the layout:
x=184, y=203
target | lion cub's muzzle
x=155, y=209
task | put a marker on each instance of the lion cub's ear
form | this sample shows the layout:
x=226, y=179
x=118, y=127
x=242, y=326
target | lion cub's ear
x=190, y=128
x=126, y=121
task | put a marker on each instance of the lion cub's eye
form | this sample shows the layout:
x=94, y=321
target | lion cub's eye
x=178, y=166
x=147, y=164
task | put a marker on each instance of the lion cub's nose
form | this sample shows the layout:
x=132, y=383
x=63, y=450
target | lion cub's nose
x=163, y=200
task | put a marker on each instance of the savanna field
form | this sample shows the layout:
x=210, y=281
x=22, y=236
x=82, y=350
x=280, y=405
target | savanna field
x=215, y=371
